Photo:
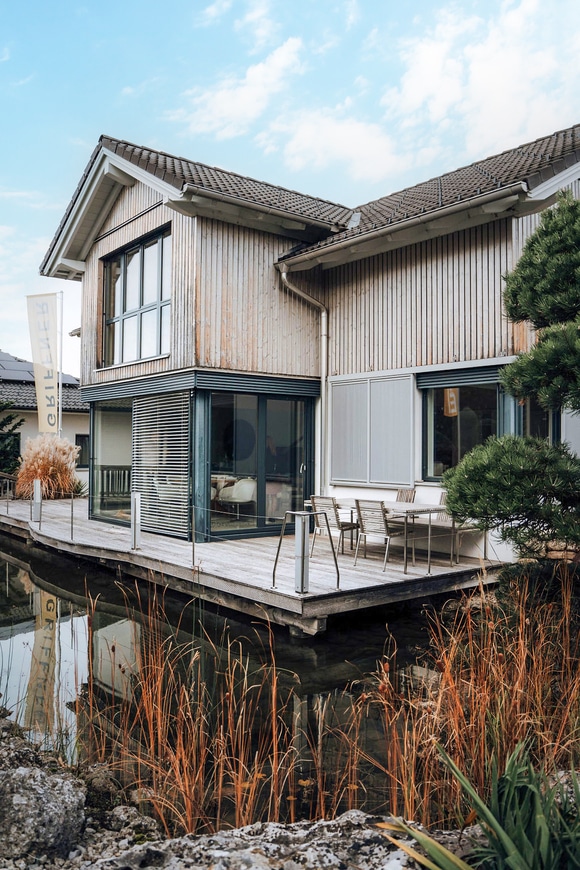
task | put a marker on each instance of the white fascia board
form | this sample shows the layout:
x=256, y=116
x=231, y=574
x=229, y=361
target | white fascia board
x=548, y=189
x=119, y=173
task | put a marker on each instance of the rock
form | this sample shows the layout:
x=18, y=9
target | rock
x=40, y=813
x=350, y=842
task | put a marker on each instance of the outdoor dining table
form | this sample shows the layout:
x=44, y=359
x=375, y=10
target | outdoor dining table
x=406, y=510
x=403, y=510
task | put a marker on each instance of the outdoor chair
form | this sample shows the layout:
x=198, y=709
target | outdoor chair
x=329, y=506
x=406, y=495
x=373, y=521
x=461, y=528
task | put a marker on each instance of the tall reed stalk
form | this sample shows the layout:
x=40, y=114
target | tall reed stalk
x=209, y=737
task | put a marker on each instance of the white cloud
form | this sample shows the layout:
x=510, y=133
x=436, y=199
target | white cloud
x=230, y=107
x=4, y=55
x=352, y=13
x=212, y=13
x=259, y=23
x=323, y=139
x=491, y=84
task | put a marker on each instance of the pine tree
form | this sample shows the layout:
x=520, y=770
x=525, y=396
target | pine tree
x=525, y=488
x=9, y=442
x=544, y=289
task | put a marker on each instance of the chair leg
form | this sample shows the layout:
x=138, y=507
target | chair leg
x=313, y=541
x=358, y=545
x=385, y=560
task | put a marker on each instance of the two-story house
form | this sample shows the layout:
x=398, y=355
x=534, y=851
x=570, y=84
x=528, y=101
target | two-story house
x=244, y=345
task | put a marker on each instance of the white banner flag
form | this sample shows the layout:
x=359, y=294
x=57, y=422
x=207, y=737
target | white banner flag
x=42, y=322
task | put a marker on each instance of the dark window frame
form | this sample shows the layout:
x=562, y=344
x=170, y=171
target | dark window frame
x=119, y=312
x=82, y=440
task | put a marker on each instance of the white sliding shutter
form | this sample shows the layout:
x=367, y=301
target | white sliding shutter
x=161, y=462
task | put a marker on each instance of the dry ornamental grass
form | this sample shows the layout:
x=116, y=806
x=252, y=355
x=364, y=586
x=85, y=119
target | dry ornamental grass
x=51, y=460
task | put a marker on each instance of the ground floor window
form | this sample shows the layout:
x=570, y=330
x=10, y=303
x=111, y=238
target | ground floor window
x=82, y=441
x=110, y=474
x=455, y=420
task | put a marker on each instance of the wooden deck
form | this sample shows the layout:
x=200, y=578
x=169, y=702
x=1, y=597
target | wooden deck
x=239, y=574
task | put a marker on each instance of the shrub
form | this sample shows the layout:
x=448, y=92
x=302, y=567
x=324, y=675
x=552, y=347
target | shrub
x=51, y=460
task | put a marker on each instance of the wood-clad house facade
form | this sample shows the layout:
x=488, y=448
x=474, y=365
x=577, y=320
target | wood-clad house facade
x=244, y=345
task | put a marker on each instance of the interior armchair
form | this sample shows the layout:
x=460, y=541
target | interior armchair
x=243, y=491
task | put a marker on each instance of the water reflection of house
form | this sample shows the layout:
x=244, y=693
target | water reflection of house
x=220, y=312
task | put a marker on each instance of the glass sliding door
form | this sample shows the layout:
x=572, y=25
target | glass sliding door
x=234, y=461
x=110, y=487
x=258, y=461
x=285, y=461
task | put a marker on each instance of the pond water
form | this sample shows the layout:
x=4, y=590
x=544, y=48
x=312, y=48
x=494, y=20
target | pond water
x=45, y=600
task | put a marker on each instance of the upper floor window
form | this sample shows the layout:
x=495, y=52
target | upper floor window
x=137, y=284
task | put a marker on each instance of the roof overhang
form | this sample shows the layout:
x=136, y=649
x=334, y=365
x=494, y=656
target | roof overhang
x=85, y=216
x=109, y=174
x=194, y=200
x=514, y=200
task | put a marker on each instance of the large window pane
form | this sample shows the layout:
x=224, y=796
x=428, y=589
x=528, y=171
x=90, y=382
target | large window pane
x=149, y=333
x=130, y=350
x=234, y=467
x=150, y=273
x=165, y=333
x=133, y=281
x=166, y=270
x=111, y=470
x=456, y=420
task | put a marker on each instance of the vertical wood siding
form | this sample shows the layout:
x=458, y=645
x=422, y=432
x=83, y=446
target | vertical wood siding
x=229, y=309
x=436, y=302
x=247, y=322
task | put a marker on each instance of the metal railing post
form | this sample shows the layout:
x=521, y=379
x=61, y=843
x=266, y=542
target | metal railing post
x=36, y=505
x=301, y=553
x=135, y=520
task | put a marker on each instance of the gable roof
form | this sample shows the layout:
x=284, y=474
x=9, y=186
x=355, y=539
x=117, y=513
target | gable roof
x=518, y=181
x=17, y=386
x=188, y=187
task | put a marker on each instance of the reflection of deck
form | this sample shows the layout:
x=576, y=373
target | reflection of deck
x=238, y=574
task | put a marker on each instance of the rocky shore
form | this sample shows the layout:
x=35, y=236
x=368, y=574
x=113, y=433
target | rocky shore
x=52, y=818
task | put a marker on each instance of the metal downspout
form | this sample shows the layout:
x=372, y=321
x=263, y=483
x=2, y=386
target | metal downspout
x=315, y=303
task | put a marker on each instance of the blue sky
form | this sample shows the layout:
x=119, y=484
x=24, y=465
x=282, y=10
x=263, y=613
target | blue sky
x=343, y=99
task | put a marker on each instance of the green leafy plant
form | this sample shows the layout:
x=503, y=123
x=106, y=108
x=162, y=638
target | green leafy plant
x=9, y=441
x=530, y=821
x=524, y=488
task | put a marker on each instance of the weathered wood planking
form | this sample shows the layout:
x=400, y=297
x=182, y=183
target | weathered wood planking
x=238, y=574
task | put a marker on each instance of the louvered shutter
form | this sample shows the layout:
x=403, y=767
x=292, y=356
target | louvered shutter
x=161, y=463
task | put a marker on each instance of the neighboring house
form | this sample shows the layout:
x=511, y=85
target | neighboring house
x=244, y=345
x=18, y=388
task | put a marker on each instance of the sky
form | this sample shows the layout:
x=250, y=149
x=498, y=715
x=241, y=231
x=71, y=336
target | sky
x=348, y=100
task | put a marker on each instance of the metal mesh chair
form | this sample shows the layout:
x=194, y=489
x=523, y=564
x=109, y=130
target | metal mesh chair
x=373, y=521
x=329, y=505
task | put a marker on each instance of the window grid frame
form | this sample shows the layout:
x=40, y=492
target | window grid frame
x=114, y=326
